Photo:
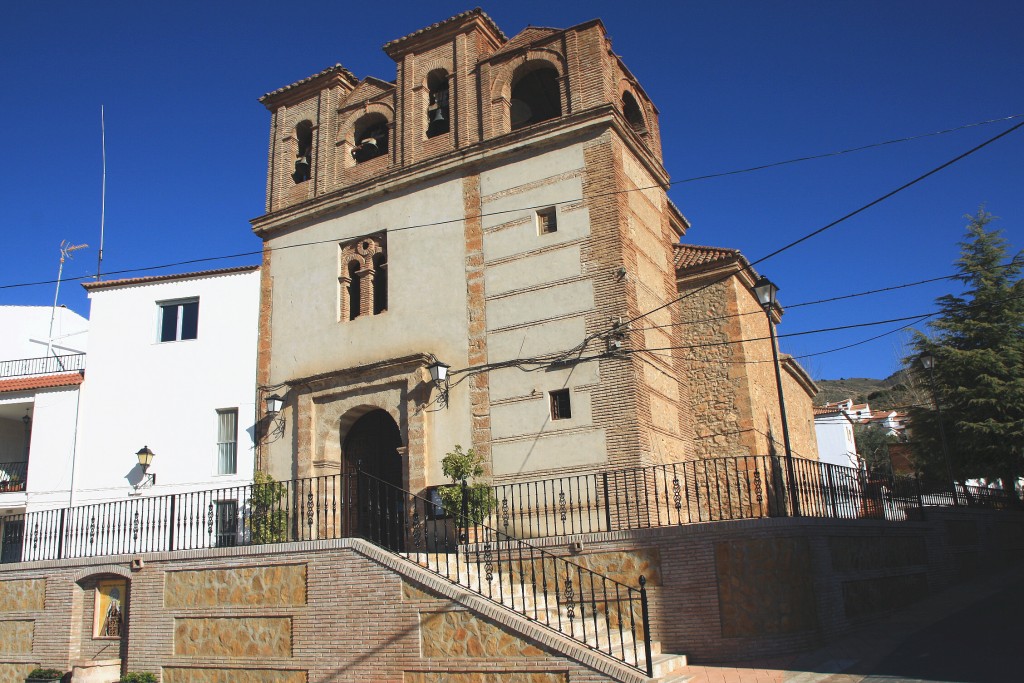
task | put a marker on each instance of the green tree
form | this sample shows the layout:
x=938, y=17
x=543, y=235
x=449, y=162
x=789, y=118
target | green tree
x=977, y=342
x=873, y=447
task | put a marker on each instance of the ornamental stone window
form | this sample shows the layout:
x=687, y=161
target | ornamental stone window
x=363, y=280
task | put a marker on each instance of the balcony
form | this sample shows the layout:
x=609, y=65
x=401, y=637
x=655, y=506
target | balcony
x=12, y=476
x=47, y=365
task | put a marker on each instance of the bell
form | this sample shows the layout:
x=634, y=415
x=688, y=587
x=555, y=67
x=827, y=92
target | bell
x=438, y=115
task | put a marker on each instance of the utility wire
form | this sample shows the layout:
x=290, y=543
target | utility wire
x=815, y=233
x=529, y=208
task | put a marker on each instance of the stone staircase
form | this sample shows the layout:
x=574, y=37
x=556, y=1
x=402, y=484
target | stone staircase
x=605, y=623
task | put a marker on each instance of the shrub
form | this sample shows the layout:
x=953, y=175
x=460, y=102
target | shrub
x=268, y=513
x=459, y=465
x=46, y=674
x=137, y=677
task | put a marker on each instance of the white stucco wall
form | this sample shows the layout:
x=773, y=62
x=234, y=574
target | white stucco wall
x=27, y=328
x=835, y=440
x=140, y=391
x=55, y=417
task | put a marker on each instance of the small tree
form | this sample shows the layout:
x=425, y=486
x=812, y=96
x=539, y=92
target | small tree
x=268, y=515
x=873, y=448
x=977, y=342
x=459, y=466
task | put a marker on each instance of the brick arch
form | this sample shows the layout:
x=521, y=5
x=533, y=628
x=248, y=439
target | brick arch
x=504, y=75
x=627, y=86
x=347, y=124
x=100, y=572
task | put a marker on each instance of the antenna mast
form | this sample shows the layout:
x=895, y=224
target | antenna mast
x=66, y=250
x=103, y=193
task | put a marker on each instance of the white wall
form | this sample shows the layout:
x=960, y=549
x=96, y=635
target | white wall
x=27, y=328
x=142, y=392
x=52, y=447
x=835, y=440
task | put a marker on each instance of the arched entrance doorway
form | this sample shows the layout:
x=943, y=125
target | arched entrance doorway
x=371, y=447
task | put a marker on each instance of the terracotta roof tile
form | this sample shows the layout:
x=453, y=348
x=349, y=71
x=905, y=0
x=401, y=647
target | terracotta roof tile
x=163, y=278
x=391, y=45
x=41, y=382
x=337, y=68
x=690, y=255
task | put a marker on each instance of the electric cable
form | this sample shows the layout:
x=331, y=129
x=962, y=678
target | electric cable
x=174, y=264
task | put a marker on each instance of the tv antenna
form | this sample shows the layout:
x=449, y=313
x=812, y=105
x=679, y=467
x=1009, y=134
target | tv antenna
x=66, y=249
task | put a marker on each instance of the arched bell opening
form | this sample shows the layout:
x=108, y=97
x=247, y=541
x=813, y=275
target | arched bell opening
x=536, y=96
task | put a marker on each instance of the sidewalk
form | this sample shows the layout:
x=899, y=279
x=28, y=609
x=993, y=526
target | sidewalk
x=970, y=633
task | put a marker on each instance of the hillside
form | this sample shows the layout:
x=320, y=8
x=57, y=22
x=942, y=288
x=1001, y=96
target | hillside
x=895, y=391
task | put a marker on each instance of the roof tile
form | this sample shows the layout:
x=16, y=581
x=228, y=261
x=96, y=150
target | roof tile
x=41, y=382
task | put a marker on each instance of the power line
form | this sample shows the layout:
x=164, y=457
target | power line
x=569, y=201
x=814, y=233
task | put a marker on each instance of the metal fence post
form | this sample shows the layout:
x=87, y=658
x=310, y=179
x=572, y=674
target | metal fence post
x=646, y=618
x=464, y=513
x=60, y=537
x=171, y=525
x=607, y=504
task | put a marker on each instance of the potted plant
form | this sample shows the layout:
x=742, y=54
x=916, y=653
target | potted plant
x=44, y=675
x=463, y=468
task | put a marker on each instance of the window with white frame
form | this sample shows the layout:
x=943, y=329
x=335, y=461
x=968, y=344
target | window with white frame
x=179, y=320
x=227, y=441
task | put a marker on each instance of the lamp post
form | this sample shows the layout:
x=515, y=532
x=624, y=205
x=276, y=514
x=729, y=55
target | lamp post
x=766, y=292
x=928, y=362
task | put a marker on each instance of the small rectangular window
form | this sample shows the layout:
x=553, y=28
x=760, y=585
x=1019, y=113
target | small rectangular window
x=227, y=441
x=179, y=320
x=561, y=406
x=547, y=221
x=227, y=523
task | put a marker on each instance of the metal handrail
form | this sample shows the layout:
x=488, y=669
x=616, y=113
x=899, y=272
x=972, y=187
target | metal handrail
x=45, y=365
x=594, y=610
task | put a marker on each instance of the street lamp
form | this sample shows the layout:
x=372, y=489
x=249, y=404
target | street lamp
x=274, y=403
x=145, y=457
x=439, y=376
x=928, y=363
x=766, y=293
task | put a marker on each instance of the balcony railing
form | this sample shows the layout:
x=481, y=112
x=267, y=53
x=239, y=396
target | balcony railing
x=12, y=476
x=47, y=365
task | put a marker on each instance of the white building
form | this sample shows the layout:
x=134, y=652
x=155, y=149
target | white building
x=172, y=367
x=833, y=428
x=39, y=402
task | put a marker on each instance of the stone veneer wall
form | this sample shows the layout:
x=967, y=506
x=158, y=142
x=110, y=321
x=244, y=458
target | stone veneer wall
x=284, y=614
x=322, y=611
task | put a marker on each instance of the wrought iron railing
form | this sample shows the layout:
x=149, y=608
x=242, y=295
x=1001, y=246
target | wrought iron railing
x=698, y=491
x=12, y=476
x=938, y=492
x=276, y=512
x=603, y=614
x=46, y=365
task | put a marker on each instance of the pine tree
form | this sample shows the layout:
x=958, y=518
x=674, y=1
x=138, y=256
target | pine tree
x=978, y=346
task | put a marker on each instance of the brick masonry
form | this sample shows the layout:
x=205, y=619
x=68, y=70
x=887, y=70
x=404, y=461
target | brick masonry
x=719, y=591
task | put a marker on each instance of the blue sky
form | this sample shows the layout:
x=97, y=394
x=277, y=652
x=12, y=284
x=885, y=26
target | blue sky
x=738, y=84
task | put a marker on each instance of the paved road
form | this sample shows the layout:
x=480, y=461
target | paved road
x=969, y=634
x=980, y=644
